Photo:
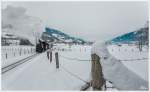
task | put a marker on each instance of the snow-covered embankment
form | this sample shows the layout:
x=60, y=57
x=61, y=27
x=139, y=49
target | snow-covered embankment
x=116, y=72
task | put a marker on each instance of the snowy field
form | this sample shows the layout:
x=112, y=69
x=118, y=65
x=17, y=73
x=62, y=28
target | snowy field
x=11, y=54
x=75, y=68
x=126, y=52
x=40, y=74
x=121, y=66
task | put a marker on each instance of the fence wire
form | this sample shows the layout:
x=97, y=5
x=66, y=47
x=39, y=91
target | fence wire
x=77, y=77
x=77, y=59
x=134, y=59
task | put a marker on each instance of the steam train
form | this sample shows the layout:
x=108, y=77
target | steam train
x=42, y=46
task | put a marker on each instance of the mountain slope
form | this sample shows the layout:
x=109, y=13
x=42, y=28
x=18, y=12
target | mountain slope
x=135, y=36
x=55, y=34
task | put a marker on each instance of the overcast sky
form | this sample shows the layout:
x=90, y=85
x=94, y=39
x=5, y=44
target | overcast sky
x=89, y=20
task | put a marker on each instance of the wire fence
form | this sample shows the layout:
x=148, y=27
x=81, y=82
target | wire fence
x=77, y=59
x=11, y=52
x=88, y=60
x=140, y=59
x=87, y=82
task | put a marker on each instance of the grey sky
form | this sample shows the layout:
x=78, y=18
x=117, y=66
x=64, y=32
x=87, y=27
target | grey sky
x=89, y=20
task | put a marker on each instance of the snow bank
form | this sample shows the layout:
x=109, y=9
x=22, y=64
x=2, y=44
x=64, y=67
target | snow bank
x=127, y=52
x=115, y=71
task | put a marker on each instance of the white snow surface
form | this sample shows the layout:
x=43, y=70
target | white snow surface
x=115, y=71
x=40, y=74
x=127, y=52
x=13, y=53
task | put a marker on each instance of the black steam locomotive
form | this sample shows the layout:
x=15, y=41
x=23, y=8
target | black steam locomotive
x=42, y=46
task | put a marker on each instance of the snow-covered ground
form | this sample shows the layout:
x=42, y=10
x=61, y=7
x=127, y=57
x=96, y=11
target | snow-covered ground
x=75, y=68
x=125, y=75
x=40, y=74
x=11, y=54
x=126, y=52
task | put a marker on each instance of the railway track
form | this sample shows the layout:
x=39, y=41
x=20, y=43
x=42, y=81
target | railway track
x=12, y=66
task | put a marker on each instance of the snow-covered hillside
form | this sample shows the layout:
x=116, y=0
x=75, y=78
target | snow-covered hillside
x=133, y=37
x=59, y=36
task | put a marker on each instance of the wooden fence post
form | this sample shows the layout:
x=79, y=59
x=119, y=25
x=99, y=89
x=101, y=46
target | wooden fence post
x=31, y=50
x=20, y=52
x=24, y=51
x=97, y=75
x=6, y=55
x=50, y=56
x=14, y=54
x=57, y=60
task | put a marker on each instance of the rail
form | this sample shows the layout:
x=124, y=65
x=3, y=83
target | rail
x=12, y=66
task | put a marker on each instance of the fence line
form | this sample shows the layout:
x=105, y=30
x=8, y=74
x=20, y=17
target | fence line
x=14, y=52
x=134, y=59
x=77, y=59
x=79, y=78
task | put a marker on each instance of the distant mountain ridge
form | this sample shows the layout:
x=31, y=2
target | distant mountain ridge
x=135, y=36
x=56, y=34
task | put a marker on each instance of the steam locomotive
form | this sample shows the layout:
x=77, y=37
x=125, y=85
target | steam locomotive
x=42, y=46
